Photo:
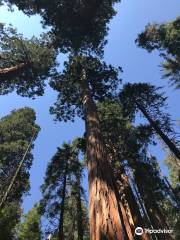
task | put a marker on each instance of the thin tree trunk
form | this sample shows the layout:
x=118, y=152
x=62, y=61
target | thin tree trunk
x=12, y=72
x=61, y=220
x=126, y=222
x=79, y=209
x=105, y=220
x=173, y=192
x=168, y=142
x=133, y=209
x=156, y=217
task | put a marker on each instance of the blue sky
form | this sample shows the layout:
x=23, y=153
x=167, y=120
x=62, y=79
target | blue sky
x=138, y=65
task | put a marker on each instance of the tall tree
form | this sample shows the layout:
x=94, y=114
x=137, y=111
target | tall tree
x=123, y=143
x=146, y=99
x=16, y=130
x=152, y=190
x=77, y=194
x=84, y=81
x=30, y=227
x=55, y=188
x=165, y=38
x=127, y=146
x=16, y=133
x=62, y=194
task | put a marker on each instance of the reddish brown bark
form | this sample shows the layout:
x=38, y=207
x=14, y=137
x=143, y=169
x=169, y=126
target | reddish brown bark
x=105, y=219
x=126, y=222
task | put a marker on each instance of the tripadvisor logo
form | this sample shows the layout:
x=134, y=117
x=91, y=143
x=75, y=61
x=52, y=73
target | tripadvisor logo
x=139, y=231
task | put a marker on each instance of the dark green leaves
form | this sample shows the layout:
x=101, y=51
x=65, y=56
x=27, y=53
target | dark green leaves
x=37, y=55
x=64, y=165
x=76, y=25
x=151, y=99
x=16, y=131
x=165, y=38
x=30, y=227
x=102, y=79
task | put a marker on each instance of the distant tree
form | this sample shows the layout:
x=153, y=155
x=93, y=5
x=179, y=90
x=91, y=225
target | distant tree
x=62, y=202
x=25, y=64
x=165, y=38
x=146, y=99
x=30, y=227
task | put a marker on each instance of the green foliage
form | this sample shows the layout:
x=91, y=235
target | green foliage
x=16, y=132
x=71, y=218
x=65, y=163
x=127, y=148
x=102, y=79
x=76, y=25
x=174, y=169
x=37, y=54
x=165, y=38
x=152, y=100
x=147, y=168
x=9, y=218
x=30, y=228
x=173, y=217
x=123, y=140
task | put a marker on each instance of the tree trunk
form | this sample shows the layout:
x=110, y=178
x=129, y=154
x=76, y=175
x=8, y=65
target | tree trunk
x=168, y=142
x=61, y=220
x=79, y=210
x=126, y=221
x=12, y=72
x=105, y=219
x=156, y=217
x=132, y=209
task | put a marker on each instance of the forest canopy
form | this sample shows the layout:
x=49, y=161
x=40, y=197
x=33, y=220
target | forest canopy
x=106, y=182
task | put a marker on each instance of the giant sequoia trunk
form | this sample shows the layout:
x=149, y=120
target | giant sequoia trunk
x=105, y=218
x=12, y=72
x=61, y=220
x=158, y=130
